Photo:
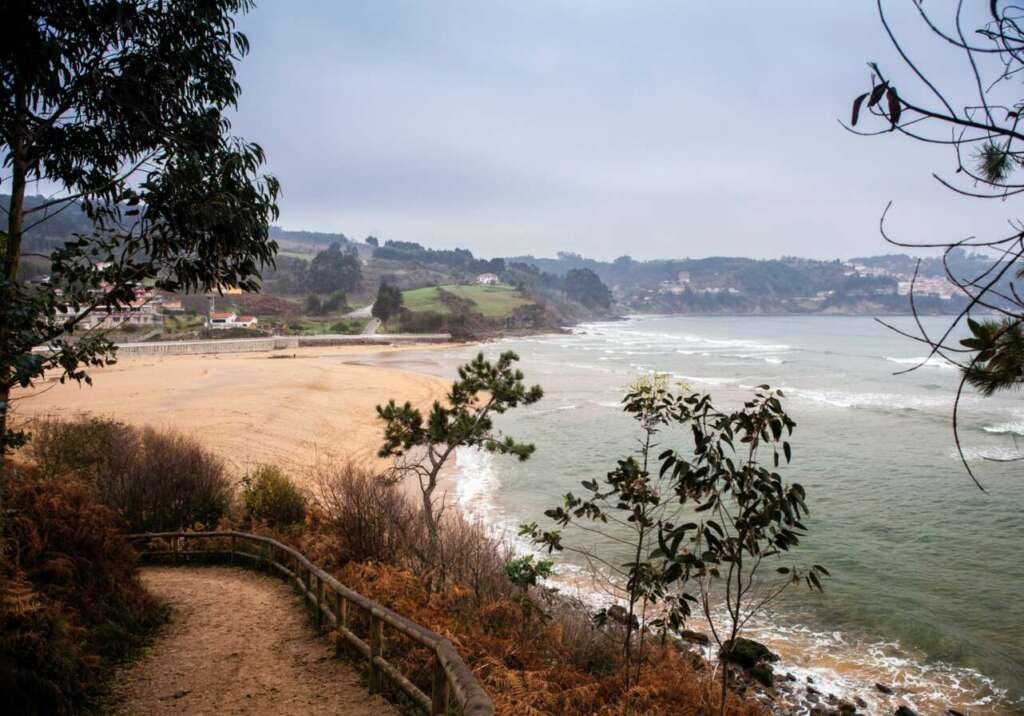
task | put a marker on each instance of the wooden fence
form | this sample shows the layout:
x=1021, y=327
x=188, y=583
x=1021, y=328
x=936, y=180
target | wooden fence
x=334, y=602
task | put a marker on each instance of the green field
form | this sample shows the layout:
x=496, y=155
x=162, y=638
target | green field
x=491, y=301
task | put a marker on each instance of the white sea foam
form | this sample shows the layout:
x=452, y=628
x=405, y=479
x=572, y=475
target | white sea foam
x=1014, y=426
x=975, y=454
x=880, y=401
x=686, y=344
x=706, y=379
x=555, y=409
x=924, y=362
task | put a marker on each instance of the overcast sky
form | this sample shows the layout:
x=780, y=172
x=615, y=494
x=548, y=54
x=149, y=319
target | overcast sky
x=654, y=129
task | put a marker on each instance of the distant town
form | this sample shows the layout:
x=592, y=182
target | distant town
x=328, y=283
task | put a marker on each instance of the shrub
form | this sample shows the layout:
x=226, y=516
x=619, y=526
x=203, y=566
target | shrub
x=155, y=480
x=313, y=306
x=70, y=600
x=366, y=517
x=270, y=497
x=337, y=301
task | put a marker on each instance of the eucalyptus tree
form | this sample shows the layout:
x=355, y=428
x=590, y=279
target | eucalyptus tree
x=422, y=447
x=624, y=509
x=743, y=516
x=979, y=123
x=119, y=107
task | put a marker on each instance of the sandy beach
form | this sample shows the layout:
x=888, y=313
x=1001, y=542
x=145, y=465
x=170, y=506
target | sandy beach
x=295, y=410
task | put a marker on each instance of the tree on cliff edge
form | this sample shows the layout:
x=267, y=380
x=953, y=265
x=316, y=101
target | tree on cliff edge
x=118, y=106
x=466, y=419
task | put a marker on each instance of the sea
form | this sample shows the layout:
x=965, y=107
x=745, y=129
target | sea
x=927, y=588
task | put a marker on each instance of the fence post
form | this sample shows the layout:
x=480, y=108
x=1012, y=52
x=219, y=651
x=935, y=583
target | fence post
x=176, y=548
x=439, y=689
x=233, y=547
x=376, y=648
x=340, y=620
x=319, y=602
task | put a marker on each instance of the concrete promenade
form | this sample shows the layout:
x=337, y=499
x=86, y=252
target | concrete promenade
x=270, y=343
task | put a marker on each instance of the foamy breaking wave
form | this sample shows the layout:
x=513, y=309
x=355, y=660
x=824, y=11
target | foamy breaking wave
x=547, y=411
x=838, y=664
x=1013, y=426
x=625, y=340
x=880, y=401
x=924, y=362
x=977, y=454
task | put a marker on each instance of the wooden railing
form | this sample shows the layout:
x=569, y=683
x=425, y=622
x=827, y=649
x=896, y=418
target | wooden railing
x=333, y=602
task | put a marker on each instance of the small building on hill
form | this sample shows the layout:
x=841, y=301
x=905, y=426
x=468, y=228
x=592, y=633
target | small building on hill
x=487, y=279
x=222, y=320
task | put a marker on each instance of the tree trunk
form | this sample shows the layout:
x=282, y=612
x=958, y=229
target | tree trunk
x=428, y=511
x=12, y=251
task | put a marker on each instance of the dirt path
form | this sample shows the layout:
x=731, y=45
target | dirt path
x=238, y=643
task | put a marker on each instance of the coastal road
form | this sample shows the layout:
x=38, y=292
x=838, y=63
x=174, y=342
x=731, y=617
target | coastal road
x=238, y=643
x=364, y=312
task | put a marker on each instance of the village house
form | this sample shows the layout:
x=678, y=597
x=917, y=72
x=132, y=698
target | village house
x=222, y=320
x=144, y=310
x=487, y=279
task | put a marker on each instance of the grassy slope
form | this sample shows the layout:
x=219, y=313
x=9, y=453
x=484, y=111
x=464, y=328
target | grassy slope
x=491, y=301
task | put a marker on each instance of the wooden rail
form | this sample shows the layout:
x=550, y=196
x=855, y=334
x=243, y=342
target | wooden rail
x=333, y=601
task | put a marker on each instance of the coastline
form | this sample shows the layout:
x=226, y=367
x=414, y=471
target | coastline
x=819, y=666
x=308, y=406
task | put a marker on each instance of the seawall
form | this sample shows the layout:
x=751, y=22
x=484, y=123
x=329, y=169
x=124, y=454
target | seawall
x=270, y=343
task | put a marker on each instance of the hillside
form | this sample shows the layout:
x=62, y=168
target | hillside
x=712, y=285
x=489, y=301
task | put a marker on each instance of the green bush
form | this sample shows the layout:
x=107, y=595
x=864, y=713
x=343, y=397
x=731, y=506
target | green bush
x=272, y=498
x=156, y=481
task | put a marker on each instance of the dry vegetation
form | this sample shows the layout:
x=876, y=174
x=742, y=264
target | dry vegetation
x=534, y=651
x=70, y=601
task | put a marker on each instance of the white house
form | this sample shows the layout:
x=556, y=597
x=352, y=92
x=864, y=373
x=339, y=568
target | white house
x=222, y=320
x=487, y=279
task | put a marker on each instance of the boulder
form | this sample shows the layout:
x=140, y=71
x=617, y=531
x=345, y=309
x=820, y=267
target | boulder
x=694, y=637
x=905, y=711
x=746, y=653
x=762, y=673
x=882, y=688
x=953, y=712
x=618, y=613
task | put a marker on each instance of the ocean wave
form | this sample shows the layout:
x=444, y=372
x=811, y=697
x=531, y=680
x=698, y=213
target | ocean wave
x=924, y=362
x=1015, y=427
x=619, y=335
x=879, y=401
x=556, y=409
x=844, y=665
x=977, y=454
x=706, y=379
